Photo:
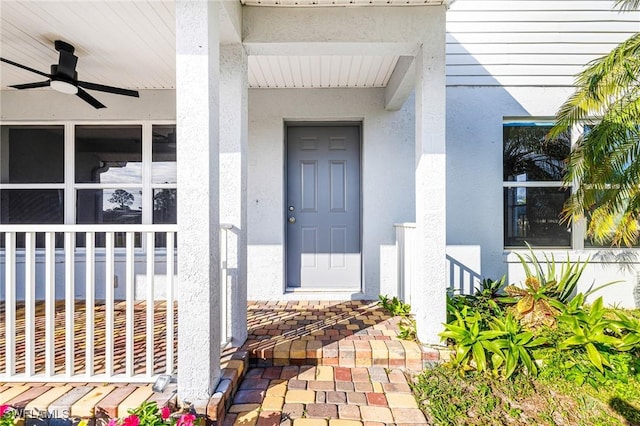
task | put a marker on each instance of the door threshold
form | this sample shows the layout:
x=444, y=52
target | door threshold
x=322, y=290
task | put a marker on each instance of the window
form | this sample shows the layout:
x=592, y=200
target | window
x=163, y=172
x=533, y=169
x=108, y=174
x=88, y=174
x=32, y=174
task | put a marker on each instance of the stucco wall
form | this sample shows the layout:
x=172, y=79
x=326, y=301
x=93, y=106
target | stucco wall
x=387, y=182
x=37, y=105
x=474, y=186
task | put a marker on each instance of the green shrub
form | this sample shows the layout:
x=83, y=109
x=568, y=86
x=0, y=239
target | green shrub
x=471, y=340
x=397, y=307
x=515, y=346
x=591, y=331
x=628, y=328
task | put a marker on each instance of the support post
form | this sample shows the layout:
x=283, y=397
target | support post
x=430, y=285
x=197, y=110
x=233, y=182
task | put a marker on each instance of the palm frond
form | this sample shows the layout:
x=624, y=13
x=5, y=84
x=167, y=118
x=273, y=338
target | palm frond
x=627, y=4
x=604, y=165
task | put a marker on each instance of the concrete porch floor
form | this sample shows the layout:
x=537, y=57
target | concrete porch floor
x=305, y=363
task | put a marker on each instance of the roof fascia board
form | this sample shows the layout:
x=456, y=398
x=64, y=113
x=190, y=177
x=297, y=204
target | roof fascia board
x=325, y=48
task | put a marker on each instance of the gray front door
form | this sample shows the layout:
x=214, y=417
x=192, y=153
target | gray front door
x=323, y=207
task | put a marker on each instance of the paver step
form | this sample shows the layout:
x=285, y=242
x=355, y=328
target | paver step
x=346, y=334
x=324, y=396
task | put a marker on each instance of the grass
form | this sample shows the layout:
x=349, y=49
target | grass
x=568, y=390
x=476, y=399
x=559, y=395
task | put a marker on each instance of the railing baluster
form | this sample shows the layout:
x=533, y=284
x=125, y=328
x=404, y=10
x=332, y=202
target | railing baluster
x=69, y=301
x=410, y=253
x=150, y=304
x=109, y=302
x=36, y=344
x=169, y=309
x=90, y=301
x=405, y=247
x=50, y=303
x=130, y=276
x=224, y=335
x=30, y=302
x=10, y=302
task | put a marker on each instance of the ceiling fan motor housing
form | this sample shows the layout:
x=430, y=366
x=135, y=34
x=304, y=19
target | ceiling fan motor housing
x=61, y=76
x=63, y=46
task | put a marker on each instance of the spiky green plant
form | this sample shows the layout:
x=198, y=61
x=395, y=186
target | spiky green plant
x=546, y=289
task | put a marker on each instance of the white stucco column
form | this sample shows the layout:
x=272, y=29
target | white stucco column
x=233, y=181
x=197, y=87
x=429, y=298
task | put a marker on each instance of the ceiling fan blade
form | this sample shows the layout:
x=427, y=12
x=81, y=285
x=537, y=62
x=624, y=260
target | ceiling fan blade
x=108, y=89
x=32, y=85
x=67, y=64
x=24, y=67
x=89, y=99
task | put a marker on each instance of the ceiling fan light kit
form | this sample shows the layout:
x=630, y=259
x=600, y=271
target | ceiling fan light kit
x=64, y=78
x=63, y=87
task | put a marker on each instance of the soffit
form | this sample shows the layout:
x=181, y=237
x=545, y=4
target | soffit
x=128, y=44
x=320, y=71
x=132, y=44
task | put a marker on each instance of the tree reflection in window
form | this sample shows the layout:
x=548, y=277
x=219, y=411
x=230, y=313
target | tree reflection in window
x=532, y=212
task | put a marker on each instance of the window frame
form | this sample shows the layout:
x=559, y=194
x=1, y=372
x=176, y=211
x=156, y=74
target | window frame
x=577, y=229
x=70, y=187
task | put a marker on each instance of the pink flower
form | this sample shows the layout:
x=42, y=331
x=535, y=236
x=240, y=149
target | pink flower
x=186, y=420
x=4, y=409
x=165, y=412
x=113, y=422
x=132, y=420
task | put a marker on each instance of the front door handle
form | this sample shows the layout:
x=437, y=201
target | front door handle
x=292, y=220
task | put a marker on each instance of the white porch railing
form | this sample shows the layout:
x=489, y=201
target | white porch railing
x=102, y=303
x=406, y=251
x=225, y=302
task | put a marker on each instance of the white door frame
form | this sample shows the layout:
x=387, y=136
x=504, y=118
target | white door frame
x=284, y=216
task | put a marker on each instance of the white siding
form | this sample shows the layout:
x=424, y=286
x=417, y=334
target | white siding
x=530, y=42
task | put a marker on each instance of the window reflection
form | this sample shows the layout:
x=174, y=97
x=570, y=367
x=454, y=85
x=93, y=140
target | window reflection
x=529, y=156
x=163, y=168
x=164, y=205
x=108, y=154
x=164, y=211
x=109, y=206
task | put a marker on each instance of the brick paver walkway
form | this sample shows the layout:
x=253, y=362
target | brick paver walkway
x=79, y=332
x=324, y=395
x=321, y=363
x=313, y=363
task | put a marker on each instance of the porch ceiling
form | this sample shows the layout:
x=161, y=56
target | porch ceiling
x=132, y=44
